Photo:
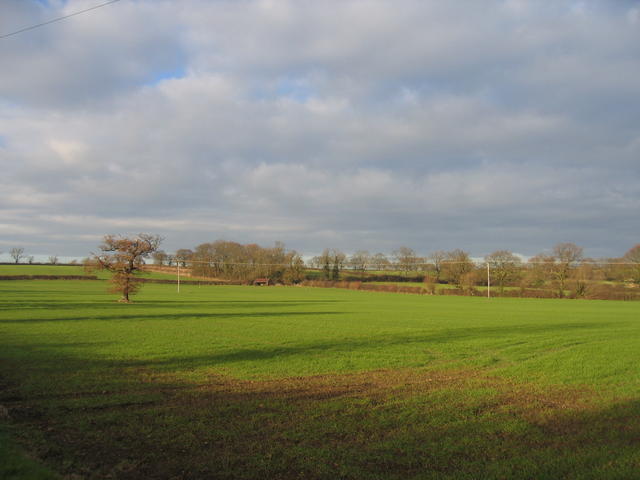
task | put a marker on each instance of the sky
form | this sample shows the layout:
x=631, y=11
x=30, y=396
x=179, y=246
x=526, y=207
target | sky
x=349, y=124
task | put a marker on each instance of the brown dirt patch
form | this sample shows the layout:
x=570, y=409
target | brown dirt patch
x=400, y=422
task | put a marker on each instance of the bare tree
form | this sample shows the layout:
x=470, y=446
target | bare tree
x=124, y=257
x=359, y=260
x=380, y=261
x=614, y=271
x=633, y=257
x=17, y=253
x=539, y=270
x=332, y=261
x=504, y=267
x=315, y=262
x=326, y=262
x=323, y=262
x=436, y=259
x=584, y=276
x=53, y=259
x=294, y=272
x=159, y=257
x=456, y=264
x=30, y=259
x=339, y=260
x=405, y=259
x=183, y=256
x=245, y=263
x=567, y=256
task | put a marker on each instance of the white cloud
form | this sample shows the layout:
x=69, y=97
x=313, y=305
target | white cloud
x=364, y=123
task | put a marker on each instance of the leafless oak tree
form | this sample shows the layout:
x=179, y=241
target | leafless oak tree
x=567, y=256
x=17, y=253
x=359, y=260
x=504, y=266
x=405, y=259
x=456, y=264
x=124, y=257
x=436, y=259
x=380, y=261
x=183, y=256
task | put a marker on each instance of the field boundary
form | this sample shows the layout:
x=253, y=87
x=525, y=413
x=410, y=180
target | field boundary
x=184, y=282
x=48, y=277
x=429, y=289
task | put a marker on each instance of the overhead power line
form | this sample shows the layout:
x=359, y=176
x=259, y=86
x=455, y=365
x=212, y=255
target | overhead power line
x=59, y=18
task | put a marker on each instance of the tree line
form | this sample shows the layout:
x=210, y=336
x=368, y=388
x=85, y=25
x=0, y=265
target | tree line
x=17, y=254
x=235, y=261
x=563, y=267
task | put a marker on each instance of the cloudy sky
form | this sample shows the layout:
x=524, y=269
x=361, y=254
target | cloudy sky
x=352, y=124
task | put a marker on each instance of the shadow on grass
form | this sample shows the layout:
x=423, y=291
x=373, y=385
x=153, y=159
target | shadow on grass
x=327, y=348
x=120, y=308
x=376, y=425
x=174, y=317
x=354, y=345
x=65, y=355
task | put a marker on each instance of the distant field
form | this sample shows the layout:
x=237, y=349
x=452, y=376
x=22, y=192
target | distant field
x=292, y=382
x=22, y=269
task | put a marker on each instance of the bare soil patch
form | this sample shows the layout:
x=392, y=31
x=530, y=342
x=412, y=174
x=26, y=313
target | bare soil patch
x=380, y=424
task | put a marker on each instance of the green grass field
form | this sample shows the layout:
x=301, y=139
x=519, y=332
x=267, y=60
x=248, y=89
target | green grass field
x=292, y=382
x=22, y=269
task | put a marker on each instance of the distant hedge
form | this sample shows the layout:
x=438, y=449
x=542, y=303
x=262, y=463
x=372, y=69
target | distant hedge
x=48, y=277
x=184, y=282
x=392, y=288
x=384, y=278
x=93, y=277
x=46, y=264
x=593, y=292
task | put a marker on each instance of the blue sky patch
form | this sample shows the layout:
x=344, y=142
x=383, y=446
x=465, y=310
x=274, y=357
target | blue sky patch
x=178, y=72
x=294, y=88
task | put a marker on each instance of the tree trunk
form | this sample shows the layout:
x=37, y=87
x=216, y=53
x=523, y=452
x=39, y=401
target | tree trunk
x=125, y=290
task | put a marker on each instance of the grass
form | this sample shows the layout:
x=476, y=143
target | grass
x=15, y=465
x=26, y=269
x=247, y=382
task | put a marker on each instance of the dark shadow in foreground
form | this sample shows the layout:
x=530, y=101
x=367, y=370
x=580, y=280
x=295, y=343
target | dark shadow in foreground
x=133, y=422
